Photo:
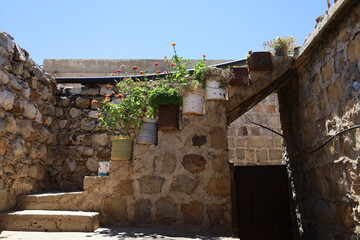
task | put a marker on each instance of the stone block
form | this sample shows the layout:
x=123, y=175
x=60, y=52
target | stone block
x=91, y=91
x=184, y=184
x=261, y=155
x=100, y=139
x=82, y=102
x=166, y=163
x=327, y=71
x=353, y=51
x=215, y=214
x=3, y=147
x=255, y=131
x=240, y=143
x=92, y=165
x=193, y=163
x=4, y=77
x=92, y=181
x=242, y=131
x=142, y=212
x=25, y=128
x=18, y=149
x=218, y=187
x=88, y=152
x=270, y=109
x=115, y=208
x=335, y=91
x=87, y=124
x=255, y=142
x=198, y=141
x=151, y=184
x=6, y=100
x=70, y=165
x=104, y=153
x=193, y=213
x=75, y=112
x=93, y=114
x=240, y=154
x=165, y=210
x=124, y=188
x=250, y=155
x=30, y=111
x=37, y=172
x=218, y=137
x=63, y=102
x=220, y=161
x=275, y=154
x=11, y=125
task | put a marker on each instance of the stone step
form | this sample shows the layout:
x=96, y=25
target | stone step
x=49, y=201
x=53, y=221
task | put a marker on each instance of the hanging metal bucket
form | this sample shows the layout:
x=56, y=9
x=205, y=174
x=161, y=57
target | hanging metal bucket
x=192, y=103
x=214, y=91
x=147, y=133
x=122, y=148
x=169, y=117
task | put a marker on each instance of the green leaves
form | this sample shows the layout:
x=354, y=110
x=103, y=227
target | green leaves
x=125, y=114
x=164, y=94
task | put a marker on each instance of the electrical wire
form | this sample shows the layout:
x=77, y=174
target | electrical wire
x=295, y=145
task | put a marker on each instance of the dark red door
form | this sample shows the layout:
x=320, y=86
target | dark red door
x=263, y=209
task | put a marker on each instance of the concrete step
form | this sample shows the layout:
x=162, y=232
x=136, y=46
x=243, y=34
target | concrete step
x=49, y=201
x=53, y=221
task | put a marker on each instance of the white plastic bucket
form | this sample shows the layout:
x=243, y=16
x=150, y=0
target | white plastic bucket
x=192, y=103
x=214, y=92
x=147, y=133
x=104, y=168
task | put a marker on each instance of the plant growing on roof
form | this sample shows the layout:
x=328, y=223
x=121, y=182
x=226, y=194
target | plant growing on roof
x=278, y=44
x=222, y=76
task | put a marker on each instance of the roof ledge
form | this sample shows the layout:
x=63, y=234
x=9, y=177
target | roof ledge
x=334, y=14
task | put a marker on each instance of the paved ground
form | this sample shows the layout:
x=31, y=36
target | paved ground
x=115, y=233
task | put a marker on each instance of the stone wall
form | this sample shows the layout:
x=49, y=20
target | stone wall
x=183, y=181
x=50, y=140
x=82, y=143
x=252, y=145
x=321, y=103
x=27, y=129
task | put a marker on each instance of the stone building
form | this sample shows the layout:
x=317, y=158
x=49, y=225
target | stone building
x=50, y=140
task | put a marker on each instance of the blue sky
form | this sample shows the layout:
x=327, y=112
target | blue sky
x=125, y=29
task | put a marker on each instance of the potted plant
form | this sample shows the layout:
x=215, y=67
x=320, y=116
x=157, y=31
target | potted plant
x=122, y=113
x=259, y=61
x=281, y=45
x=215, y=81
x=192, y=91
x=241, y=76
x=165, y=101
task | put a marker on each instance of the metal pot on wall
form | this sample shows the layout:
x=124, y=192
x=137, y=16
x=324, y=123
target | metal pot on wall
x=147, y=133
x=168, y=117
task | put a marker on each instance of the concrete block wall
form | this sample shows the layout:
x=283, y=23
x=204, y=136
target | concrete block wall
x=252, y=145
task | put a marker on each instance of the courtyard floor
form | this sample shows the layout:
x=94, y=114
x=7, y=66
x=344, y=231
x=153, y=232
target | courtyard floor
x=128, y=233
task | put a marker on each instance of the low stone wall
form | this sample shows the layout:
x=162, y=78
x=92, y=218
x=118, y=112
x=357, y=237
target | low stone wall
x=317, y=106
x=27, y=126
x=252, y=145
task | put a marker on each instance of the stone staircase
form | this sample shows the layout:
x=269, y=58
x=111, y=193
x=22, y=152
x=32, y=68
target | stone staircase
x=49, y=212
